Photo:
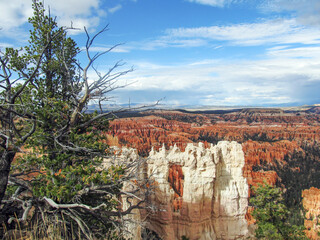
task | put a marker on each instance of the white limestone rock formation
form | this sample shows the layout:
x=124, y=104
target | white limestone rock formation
x=201, y=192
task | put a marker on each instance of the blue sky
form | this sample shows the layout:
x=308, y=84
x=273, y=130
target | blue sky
x=195, y=52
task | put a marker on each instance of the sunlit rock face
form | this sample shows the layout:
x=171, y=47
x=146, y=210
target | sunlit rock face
x=200, y=193
x=279, y=147
x=311, y=205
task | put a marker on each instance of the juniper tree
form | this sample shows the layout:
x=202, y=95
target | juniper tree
x=43, y=109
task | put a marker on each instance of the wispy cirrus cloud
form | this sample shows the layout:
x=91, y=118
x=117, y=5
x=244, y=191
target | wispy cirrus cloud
x=104, y=48
x=287, y=73
x=310, y=52
x=115, y=9
x=277, y=31
x=282, y=77
x=168, y=41
x=215, y=3
x=263, y=33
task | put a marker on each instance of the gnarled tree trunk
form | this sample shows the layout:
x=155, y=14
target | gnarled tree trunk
x=5, y=164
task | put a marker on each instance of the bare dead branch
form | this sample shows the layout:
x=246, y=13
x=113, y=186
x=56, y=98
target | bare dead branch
x=32, y=130
x=113, y=113
x=74, y=205
x=80, y=223
x=20, y=182
x=27, y=207
x=29, y=78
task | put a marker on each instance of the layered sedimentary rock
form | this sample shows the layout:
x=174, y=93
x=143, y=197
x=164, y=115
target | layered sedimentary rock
x=270, y=137
x=271, y=154
x=173, y=127
x=279, y=146
x=201, y=193
x=311, y=204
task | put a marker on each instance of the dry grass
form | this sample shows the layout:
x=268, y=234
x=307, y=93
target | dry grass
x=43, y=229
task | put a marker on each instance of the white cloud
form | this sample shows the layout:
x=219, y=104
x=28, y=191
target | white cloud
x=214, y=3
x=5, y=45
x=15, y=13
x=307, y=12
x=154, y=76
x=164, y=42
x=282, y=77
x=119, y=49
x=115, y=9
x=80, y=12
x=279, y=31
x=299, y=52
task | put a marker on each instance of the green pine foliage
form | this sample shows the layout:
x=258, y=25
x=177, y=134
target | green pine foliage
x=66, y=156
x=272, y=215
x=67, y=145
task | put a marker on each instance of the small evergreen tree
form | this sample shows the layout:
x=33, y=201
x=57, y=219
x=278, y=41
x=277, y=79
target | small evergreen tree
x=59, y=178
x=272, y=215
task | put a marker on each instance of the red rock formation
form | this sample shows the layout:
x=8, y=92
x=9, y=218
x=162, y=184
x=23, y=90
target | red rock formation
x=211, y=185
x=311, y=204
x=145, y=132
x=151, y=131
x=249, y=217
x=262, y=153
x=176, y=179
x=269, y=137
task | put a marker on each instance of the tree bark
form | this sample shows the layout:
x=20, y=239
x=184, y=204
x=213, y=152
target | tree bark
x=5, y=164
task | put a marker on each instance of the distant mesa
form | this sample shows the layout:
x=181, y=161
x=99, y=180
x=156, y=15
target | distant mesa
x=315, y=110
x=271, y=111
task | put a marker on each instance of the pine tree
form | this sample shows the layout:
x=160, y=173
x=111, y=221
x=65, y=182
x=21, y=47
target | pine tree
x=60, y=175
x=272, y=215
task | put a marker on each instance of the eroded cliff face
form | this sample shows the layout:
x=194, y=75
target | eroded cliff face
x=201, y=193
x=280, y=147
x=311, y=204
x=172, y=127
